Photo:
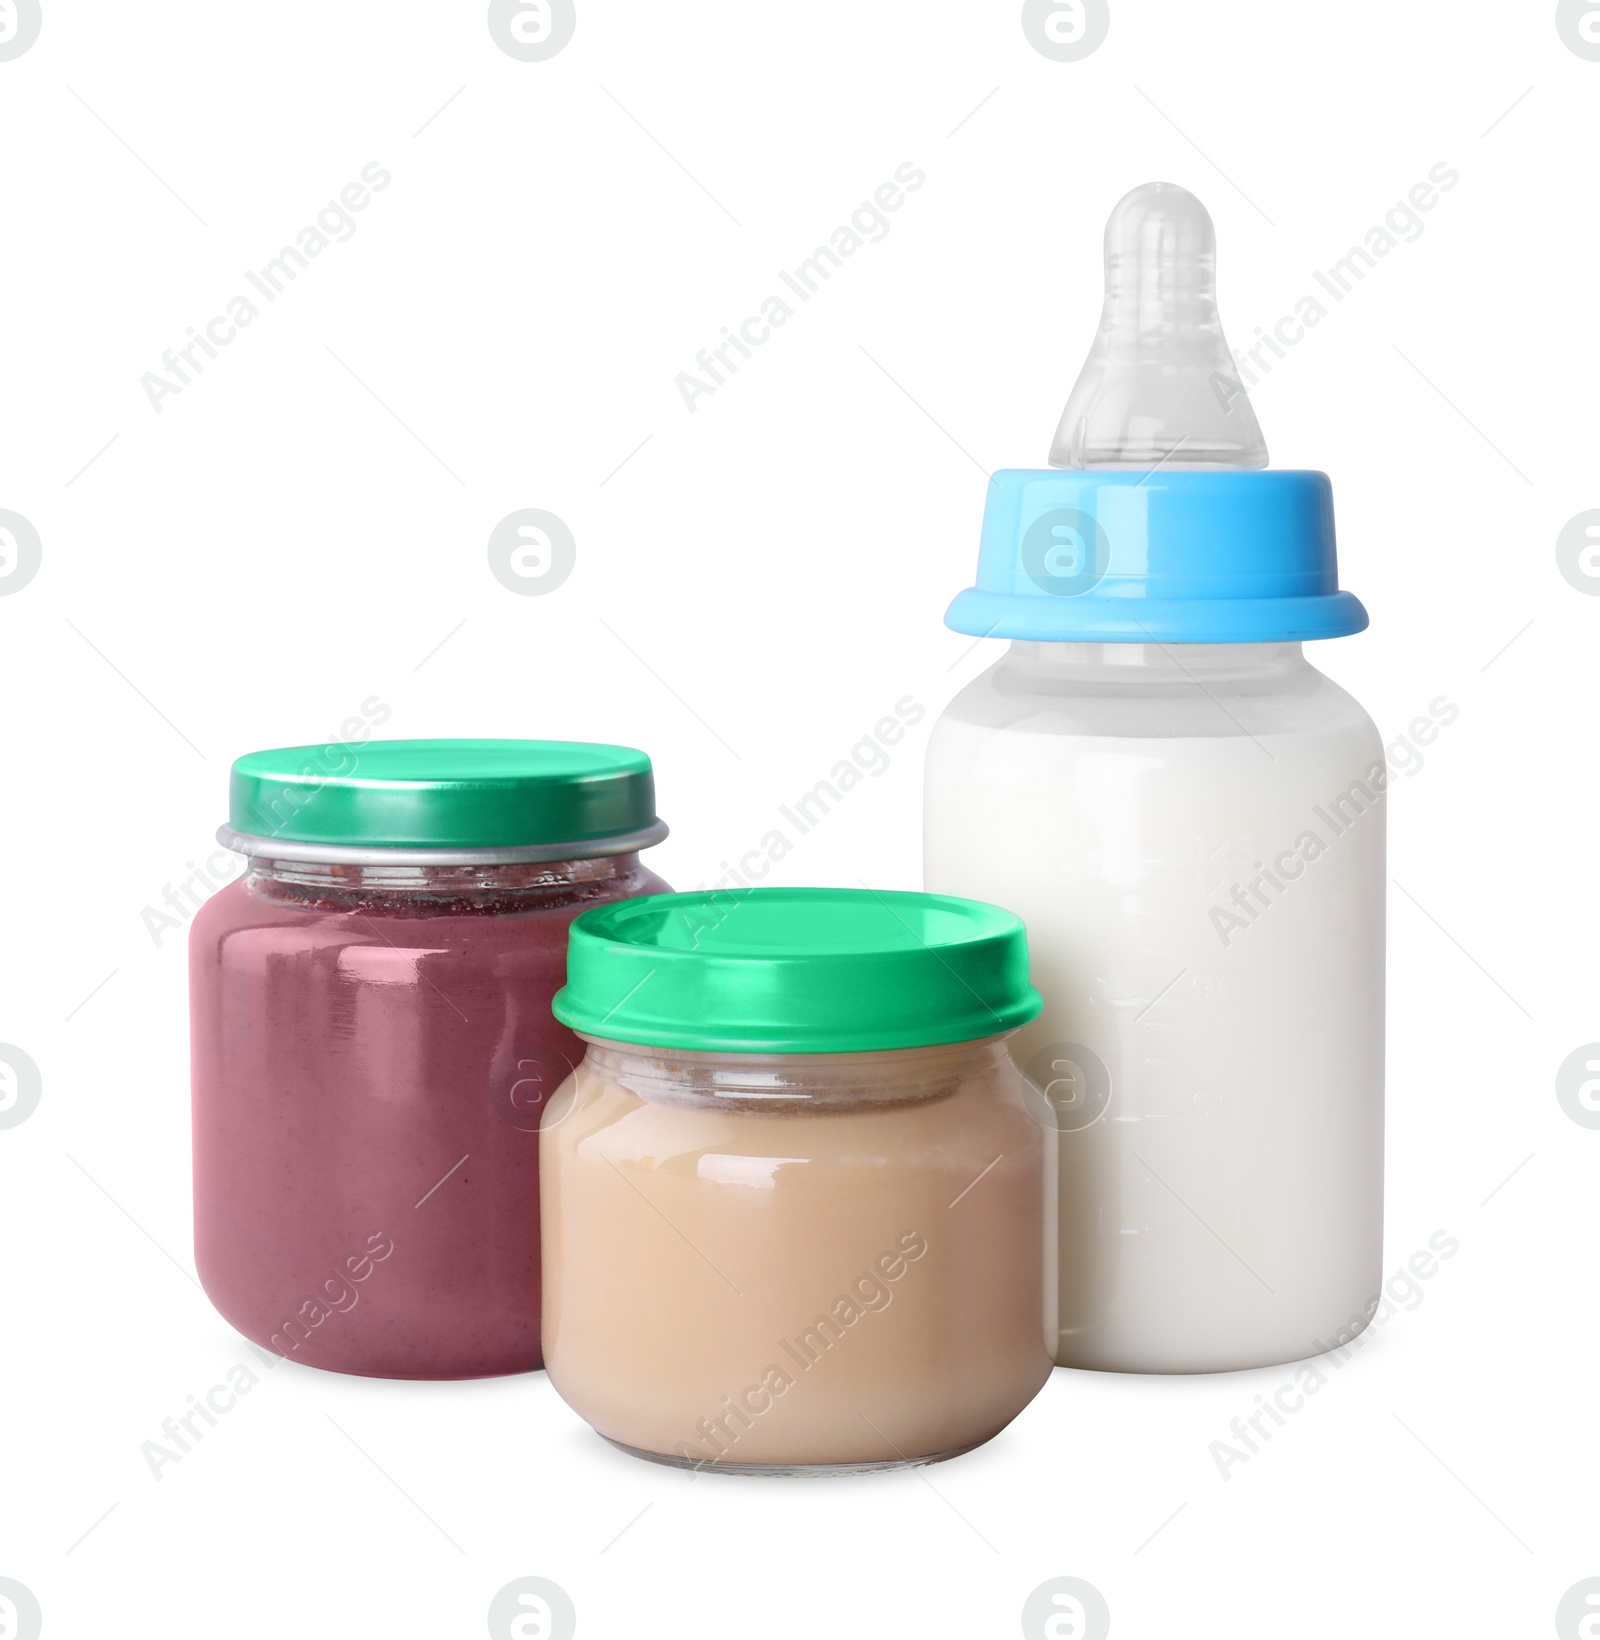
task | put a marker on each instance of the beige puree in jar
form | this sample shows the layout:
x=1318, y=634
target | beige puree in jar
x=787, y=1261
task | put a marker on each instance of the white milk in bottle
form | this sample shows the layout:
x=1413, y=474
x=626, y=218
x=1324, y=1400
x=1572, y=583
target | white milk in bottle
x=1190, y=820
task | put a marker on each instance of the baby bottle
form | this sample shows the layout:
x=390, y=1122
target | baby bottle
x=1190, y=820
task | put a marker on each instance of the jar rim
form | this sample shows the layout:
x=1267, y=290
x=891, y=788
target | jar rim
x=775, y=1084
x=341, y=854
x=732, y=1058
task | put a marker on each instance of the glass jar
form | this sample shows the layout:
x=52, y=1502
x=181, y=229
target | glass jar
x=373, y=1046
x=794, y=1200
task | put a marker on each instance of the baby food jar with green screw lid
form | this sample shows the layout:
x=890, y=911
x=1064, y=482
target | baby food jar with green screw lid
x=794, y=1200
x=373, y=1044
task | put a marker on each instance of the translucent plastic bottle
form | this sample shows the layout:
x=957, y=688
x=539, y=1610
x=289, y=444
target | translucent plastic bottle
x=1190, y=820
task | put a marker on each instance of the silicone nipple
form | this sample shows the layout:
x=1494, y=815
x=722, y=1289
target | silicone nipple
x=1159, y=387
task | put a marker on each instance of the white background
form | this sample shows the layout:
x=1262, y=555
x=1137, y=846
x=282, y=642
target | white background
x=757, y=585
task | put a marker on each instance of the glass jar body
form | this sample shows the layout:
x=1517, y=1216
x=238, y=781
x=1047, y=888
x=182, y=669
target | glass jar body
x=371, y=1051
x=1194, y=835
x=788, y=1263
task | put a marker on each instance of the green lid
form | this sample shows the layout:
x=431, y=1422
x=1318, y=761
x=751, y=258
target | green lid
x=443, y=799
x=796, y=970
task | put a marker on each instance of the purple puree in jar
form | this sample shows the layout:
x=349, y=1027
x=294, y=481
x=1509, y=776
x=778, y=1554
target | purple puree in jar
x=370, y=1062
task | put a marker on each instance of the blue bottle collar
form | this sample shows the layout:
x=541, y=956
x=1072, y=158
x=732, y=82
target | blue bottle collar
x=1111, y=556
